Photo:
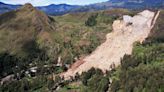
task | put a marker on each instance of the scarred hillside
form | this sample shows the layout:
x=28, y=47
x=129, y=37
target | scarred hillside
x=118, y=43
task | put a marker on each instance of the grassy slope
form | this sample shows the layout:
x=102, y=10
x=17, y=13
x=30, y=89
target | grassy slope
x=20, y=27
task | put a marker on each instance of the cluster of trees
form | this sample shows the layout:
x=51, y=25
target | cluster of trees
x=26, y=85
x=90, y=81
x=91, y=21
x=7, y=62
x=107, y=19
x=141, y=74
x=94, y=81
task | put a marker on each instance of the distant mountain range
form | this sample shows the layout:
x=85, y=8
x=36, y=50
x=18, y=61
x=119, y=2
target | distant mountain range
x=50, y=9
x=7, y=7
x=60, y=9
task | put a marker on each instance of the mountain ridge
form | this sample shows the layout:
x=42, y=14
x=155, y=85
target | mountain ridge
x=23, y=26
x=60, y=9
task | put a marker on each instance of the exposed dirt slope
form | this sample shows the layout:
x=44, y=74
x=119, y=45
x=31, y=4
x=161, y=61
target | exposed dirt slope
x=118, y=43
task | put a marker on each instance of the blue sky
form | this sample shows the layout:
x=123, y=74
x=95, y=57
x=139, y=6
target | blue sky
x=47, y=2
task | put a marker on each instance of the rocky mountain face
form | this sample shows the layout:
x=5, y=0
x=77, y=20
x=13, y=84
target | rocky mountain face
x=64, y=8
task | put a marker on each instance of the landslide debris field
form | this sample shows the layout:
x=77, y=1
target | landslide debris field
x=118, y=43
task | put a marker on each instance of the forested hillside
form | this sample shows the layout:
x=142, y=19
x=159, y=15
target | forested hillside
x=35, y=48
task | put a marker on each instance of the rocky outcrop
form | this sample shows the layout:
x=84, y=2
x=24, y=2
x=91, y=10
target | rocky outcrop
x=118, y=43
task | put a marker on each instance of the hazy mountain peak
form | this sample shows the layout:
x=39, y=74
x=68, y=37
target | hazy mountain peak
x=28, y=6
x=27, y=15
x=1, y=3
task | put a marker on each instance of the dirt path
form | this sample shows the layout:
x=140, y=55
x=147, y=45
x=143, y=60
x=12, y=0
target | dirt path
x=118, y=43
